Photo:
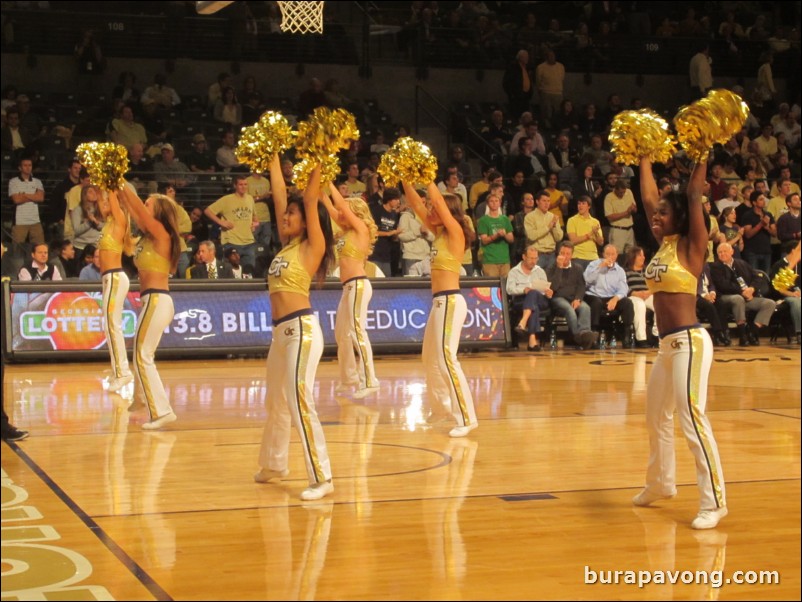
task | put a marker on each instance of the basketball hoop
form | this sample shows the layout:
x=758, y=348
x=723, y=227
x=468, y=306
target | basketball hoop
x=301, y=17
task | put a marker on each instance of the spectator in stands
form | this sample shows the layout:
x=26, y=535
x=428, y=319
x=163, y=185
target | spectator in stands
x=598, y=156
x=451, y=184
x=764, y=87
x=374, y=189
x=759, y=227
x=736, y=284
x=790, y=296
x=126, y=130
x=235, y=215
x=766, y=146
x=39, y=268
x=607, y=291
x=699, y=71
x=613, y=108
x=239, y=271
x=30, y=120
x=15, y=138
x=550, y=79
x=517, y=84
x=252, y=109
x=589, y=121
x=558, y=204
x=528, y=280
x=543, y=230
x=354, y=186
x=215, y=91
x=65, y=255
x=566, y=119
x=568, y=285
x=27, y=194
x=200, y=160
x=495, y=237
x=639, y=293
x=527, y=162
x=160, y=94
x=259, y=188
x=173, y=171
x=733, y=233
x=184, y=228
x=518, y=220
x=126, y=90
x=619, y=207
x=140, y=173
x=515, y=190
x=57, y=200
x=87, y=222
x=530, y=130
x=585, y=232
x=209, y=267
x=378, y=145
x=386, y=216
x=226, y=157
x=789, y=226
x=589, y=186
x=154, y=123
x=709, y=311
x=481, y=186
x=311, y=98
x=562, y=156
x=228, y=109
x=415, y=238
x=497, y=134
x=200, y=229
x=91, y=271
x=90, y=60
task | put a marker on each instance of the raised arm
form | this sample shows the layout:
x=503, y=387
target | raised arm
x=279, y=190
x=314, y=232
x=344, y=209
x=117, y=212
x=697, y=232
x=648, y=188
x=417, y=204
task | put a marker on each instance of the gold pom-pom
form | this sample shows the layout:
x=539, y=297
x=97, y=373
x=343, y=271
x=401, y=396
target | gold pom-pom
x=712, y=120
x=643, y=133
x=329, y=170
x=325, y=133
x=408, y=161
x=106, y=163
x=260, y=141
x=784, y=280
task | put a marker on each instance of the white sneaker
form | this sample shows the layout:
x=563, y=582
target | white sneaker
x=317, y=491
x=362, y=393
x=115, y=384
x=462, y=431
x=265, y=475
x=345, y=387
x=708, y=519
x=160, y=422
x=647, y=498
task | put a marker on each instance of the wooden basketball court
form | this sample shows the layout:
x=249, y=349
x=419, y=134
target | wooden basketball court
x=532, y=505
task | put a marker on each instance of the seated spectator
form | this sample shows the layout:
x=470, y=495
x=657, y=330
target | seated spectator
x=527, y=279
x=607, y=291
x=227, y=108
x=227, y=157
x=638, y=293
x=200, y=160
x=38, y=268
x=565, y=119
x=790, y=296
x=126, y=90
x=568, y=286
x=126, y=131
x=140, y=170
x=209, y=267
x=215, y=91
x=238, y=270
x=709, y=311
x=733, y=233
x=65, y=259
x=91, y=271
x=497, y=133
x=737, y=286
x=172, y=171
x=160, y=94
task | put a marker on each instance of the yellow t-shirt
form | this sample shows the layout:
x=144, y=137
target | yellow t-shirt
x=580, y=226
x=238, y=210
x=259, y=187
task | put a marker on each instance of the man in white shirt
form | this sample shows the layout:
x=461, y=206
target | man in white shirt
x=700, y=72
x=528, y=279
x=27, y=193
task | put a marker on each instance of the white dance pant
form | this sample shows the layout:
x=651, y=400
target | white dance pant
x=445, y=379
x=115, y=290
x=679, y=381
x=354, y=353
x=156, y=315
x=291, y=366
x=639, y=321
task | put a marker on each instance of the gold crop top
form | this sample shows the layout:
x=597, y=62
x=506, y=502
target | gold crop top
x=442, y=259
x=346, y=246
x=146, y=258
x=665, y=274
x=287, y=272
x=107, y=240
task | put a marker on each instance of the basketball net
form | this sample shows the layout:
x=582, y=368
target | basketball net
x=301, y=17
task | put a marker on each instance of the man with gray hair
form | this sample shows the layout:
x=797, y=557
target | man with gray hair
x=209, y=267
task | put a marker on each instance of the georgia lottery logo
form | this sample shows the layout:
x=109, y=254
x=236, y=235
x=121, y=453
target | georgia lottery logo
x=72, y=321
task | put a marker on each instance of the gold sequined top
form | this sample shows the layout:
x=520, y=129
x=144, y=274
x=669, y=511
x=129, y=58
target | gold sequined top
x=346, y=246
x=665, y=274
x=442, y=259
x=146, y=258
x=287, y=272
x=107, y=241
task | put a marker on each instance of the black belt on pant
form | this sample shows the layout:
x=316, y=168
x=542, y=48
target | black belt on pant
x=622, y=227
